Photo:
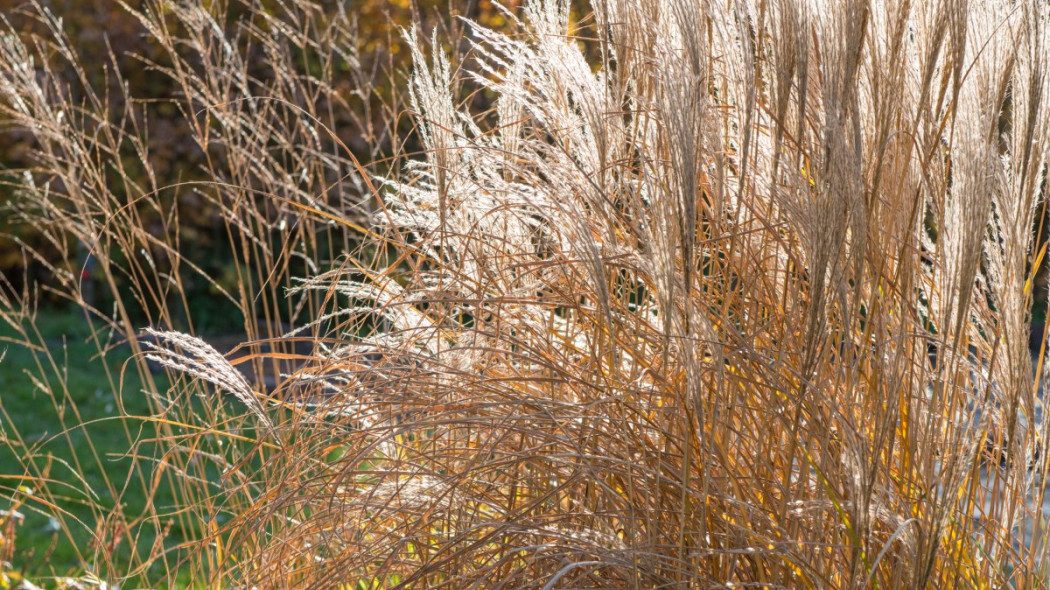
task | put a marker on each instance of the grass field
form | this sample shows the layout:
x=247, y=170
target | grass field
x=75, y=436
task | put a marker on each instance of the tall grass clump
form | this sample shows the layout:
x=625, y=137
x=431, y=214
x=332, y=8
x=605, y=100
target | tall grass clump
x=705, y=295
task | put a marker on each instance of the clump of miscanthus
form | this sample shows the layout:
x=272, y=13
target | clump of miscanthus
x=714, y=295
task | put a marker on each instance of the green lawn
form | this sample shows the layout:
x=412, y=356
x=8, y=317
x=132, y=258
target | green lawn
x=64, y=421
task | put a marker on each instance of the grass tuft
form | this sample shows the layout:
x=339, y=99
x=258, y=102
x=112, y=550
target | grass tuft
x=673, y=295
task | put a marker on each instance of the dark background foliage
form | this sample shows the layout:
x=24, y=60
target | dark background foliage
x=122, y=56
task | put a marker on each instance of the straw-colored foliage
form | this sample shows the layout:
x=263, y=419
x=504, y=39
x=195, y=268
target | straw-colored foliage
x=713, y=294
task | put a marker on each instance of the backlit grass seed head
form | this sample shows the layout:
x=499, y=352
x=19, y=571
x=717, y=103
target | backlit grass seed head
x=198, y=359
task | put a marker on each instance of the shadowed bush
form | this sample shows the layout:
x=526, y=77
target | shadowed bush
x=712, y=296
